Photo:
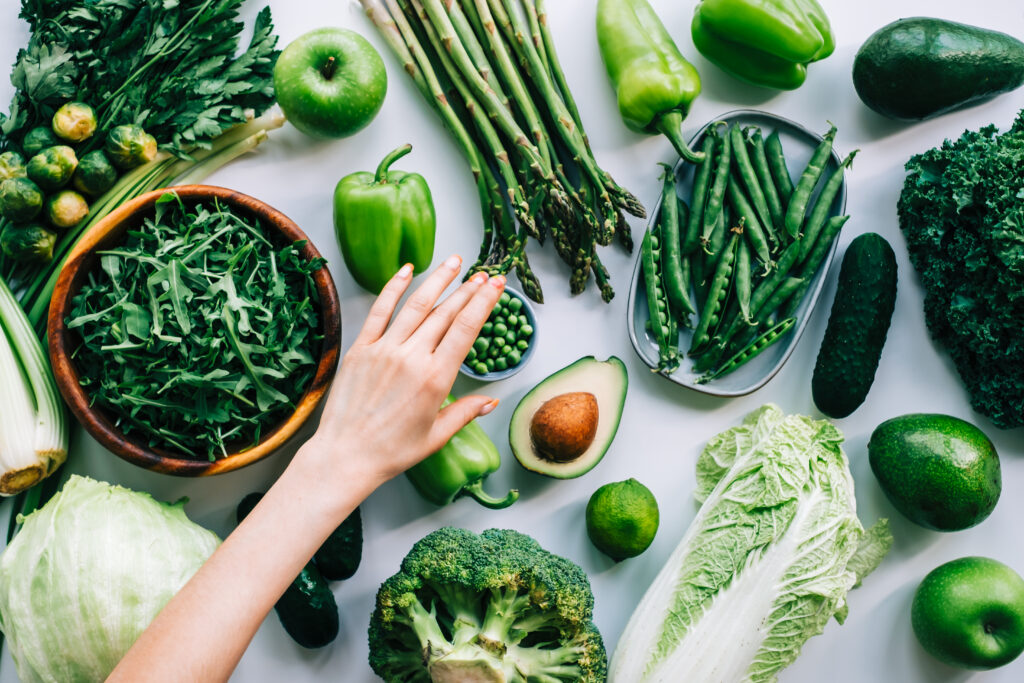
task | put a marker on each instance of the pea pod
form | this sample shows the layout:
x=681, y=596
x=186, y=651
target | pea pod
x=802, y=193
x=759, y=159
x=751, y=226
x=819, y=214
x=783, y=292
x=716, y=196
x=810, y=266
x=751, y=350
x=779, y=169
x=699, y=196
x=711, y=314
x=661, y=321
x=742, y=279
x=676, y=288
x=745, y=170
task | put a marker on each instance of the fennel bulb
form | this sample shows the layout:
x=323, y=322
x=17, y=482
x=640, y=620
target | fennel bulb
x=87, y=574
x=767, y=561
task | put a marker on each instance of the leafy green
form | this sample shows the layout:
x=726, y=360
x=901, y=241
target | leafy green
x=198, y=332
x=768, y=561
x=167, y=65
x=962, y=213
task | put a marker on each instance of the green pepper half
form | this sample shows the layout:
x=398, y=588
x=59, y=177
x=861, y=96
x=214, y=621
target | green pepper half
x=459, y=469
x=654, y=84
x=764, y=42
x=384, y=220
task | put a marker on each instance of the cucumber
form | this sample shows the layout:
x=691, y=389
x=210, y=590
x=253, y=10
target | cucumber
x=857, y=326
x=338, y=558
x=917, y=68
x=307, y=609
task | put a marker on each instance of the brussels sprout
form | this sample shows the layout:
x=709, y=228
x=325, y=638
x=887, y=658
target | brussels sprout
x=21, y=200
x=52, y=168
x=38, y=139
x=66, y=208
x=129, y=146
x=31, y=243
x=95, y=174
x=11, y=166
x=74, y=122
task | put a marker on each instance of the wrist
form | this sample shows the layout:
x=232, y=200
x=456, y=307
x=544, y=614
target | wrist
x=334, y=476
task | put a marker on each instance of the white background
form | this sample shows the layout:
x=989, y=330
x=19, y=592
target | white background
x=664, y=426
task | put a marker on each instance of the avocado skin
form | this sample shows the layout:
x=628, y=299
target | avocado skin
x=857, y=326
x=916, y=68
x=939, y=471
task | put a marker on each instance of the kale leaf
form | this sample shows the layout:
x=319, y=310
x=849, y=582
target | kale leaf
x=962, y=213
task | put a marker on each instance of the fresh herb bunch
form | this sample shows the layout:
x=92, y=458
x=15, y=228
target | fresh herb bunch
x=167, y=65
x=198, y=332
x=962, y=213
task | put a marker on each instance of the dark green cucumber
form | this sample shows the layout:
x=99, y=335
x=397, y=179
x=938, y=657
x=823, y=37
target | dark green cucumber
x=921, y=67
x=857, y=326
x=338, y=558
x=307, y=609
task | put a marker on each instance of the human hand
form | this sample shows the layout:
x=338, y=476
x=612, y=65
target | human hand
x=383, y=413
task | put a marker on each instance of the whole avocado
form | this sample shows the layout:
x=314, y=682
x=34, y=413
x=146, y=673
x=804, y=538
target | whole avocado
x=921, y=67
x=939, y=471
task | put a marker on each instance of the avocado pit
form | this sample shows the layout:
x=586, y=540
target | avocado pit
x=564, y=427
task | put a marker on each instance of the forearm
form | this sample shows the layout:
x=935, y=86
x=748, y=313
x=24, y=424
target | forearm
x=203, y=631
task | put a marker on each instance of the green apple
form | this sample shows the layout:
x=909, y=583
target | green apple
x=970, y=613
x=330, y=82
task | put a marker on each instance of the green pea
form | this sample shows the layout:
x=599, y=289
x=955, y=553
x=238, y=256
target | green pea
x=512, y=320
x=471, y=356
x=480, y=369
x=481, y=344
x=493, y=351
x=510, y=338
x=525, y=331
x=500, y=330
x=514, y=358
x=489, y=364
x=522, y=344
x=499, y=342
x=505, y=350
x=504, y=298
x=486, y=329
x=500, y=364
x=515, y=305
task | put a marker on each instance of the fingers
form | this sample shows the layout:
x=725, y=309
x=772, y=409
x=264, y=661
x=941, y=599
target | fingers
x=384, y=307
x=422, y=301
x=430, y=333
x=467, y=323
x=457, y=415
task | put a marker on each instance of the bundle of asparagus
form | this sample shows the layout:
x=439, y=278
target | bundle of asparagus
x=489, y=69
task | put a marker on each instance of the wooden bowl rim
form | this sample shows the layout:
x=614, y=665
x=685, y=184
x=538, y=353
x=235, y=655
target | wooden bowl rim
x=97, y=423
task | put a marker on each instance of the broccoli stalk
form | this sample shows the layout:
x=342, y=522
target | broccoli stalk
x=493, y=608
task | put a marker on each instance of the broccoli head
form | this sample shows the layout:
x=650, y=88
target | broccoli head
x=488, y=608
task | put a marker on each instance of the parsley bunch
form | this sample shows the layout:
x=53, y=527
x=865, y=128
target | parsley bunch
x=198, y=333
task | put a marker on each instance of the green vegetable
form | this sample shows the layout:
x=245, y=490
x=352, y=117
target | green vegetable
x=823, y=206
x=801, y=196
x=857, y=326
x=779, y=169
x=129, y=146
x=88, y=573
x=767, y=562
x=505, y=332
x=674, y=276
x=12, y=165
x=66, y=208
x=460, y=468
x=38, y=139
x=488, y=607
x=653, y=82
x=699, y=196
x=662, y=322
x=28, y=243
x=95, y=174
x=198, y=333
x=339, y=556
x=383, y=220
x=307, y=609
x=52, y=168
x=74, y=122
x=751, y=350
x=957, y=211
x=716, y=195
x=922, y=67
x=764, y=42
x=21, y=200
x=622, y=519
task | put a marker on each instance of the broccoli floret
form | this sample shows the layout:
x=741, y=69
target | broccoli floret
x=494, y=607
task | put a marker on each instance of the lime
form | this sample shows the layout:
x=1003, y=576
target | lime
x=622, y=519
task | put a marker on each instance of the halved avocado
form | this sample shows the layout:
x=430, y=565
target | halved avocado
x=564, y=425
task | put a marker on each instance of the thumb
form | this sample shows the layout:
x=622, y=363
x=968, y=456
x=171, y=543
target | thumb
x=457, y=415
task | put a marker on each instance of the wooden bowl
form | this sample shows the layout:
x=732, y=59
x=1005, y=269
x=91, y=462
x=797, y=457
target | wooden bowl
x=110, y=232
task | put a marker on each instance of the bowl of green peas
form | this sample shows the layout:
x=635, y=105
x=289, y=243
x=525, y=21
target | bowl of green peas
x=506, y=341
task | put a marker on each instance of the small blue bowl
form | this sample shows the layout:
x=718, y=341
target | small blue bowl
x=531, y=318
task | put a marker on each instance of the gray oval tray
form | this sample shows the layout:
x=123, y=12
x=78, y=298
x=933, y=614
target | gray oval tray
x=798, y=144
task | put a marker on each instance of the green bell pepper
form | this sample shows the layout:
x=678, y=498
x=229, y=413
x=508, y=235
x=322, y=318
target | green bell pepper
x=764, y=42
x=384, y=220
x=654, y=84
x=459, y=469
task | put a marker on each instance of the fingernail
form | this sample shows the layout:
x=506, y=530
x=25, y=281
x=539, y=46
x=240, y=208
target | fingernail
x=479, y=278
x=488, y=407
x=405, y=271
x=498, y=281
x=454, y=262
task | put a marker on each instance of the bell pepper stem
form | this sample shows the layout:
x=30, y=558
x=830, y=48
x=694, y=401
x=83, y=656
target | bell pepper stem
x=670, y=124
x=476, y=490
x=381, y=176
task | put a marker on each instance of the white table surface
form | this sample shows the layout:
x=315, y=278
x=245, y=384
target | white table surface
x=664, y=426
